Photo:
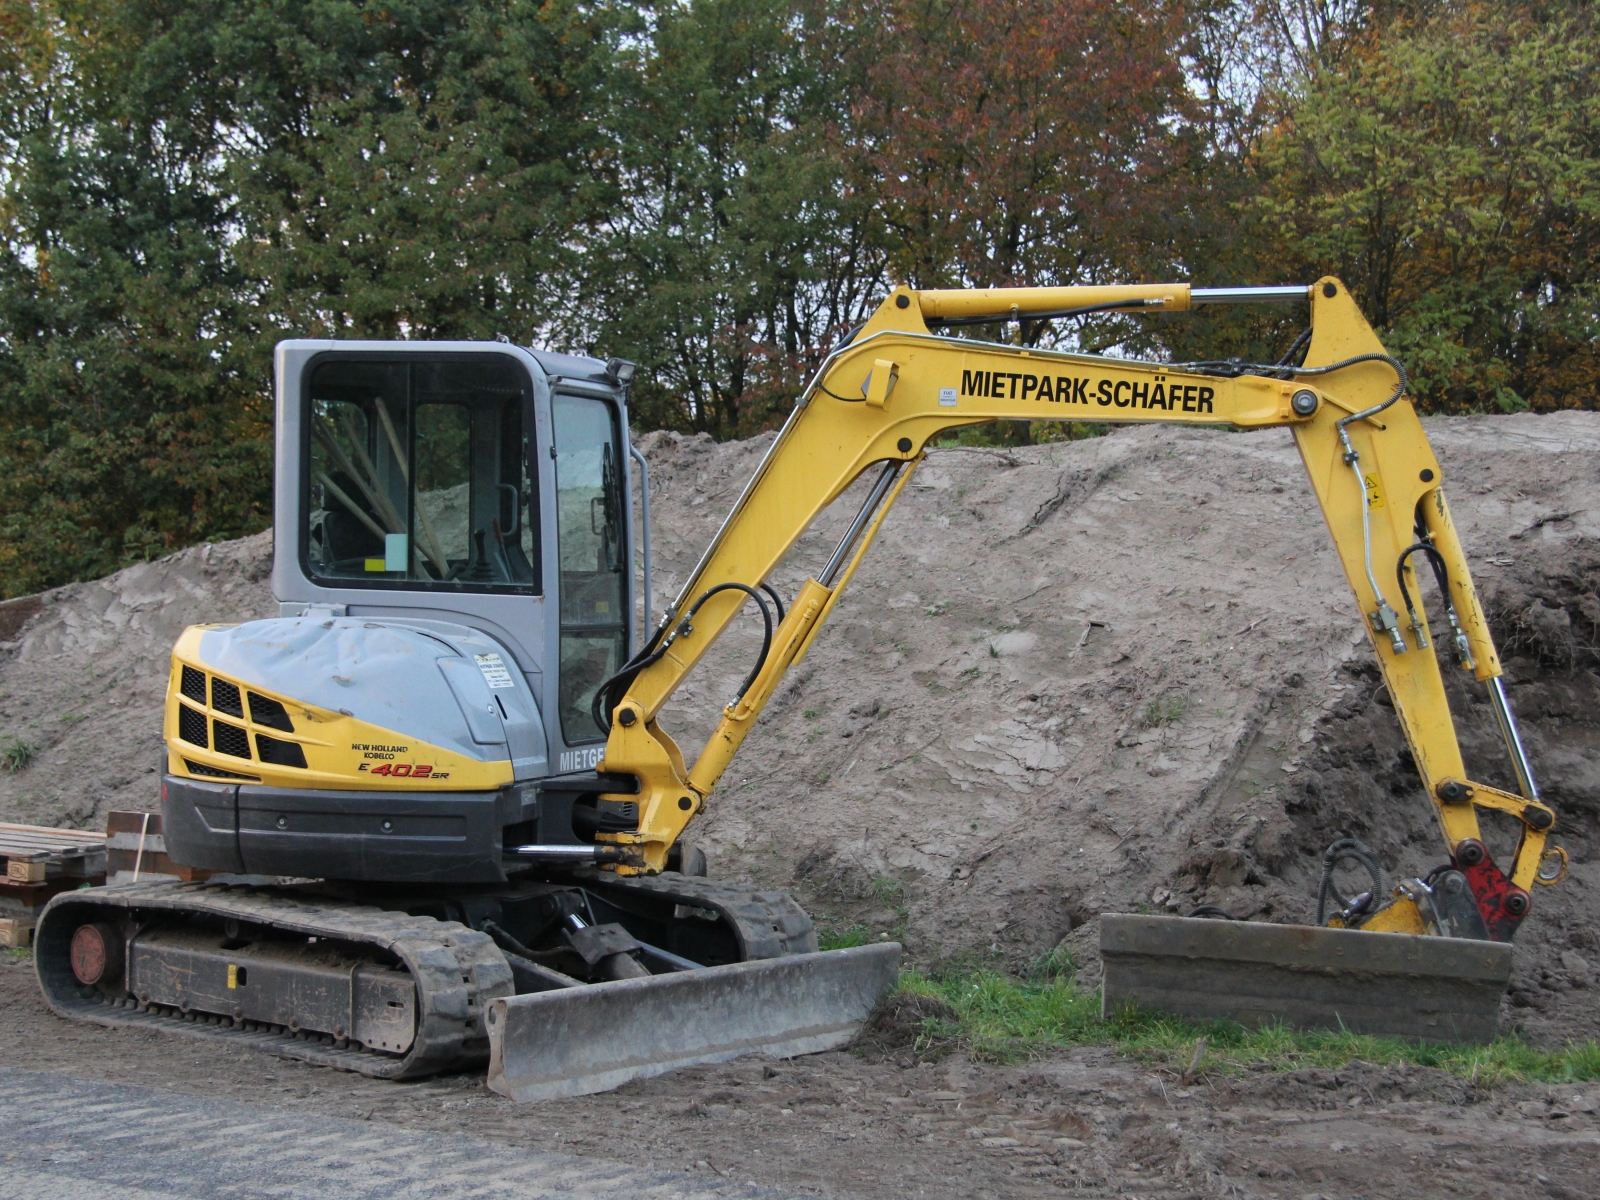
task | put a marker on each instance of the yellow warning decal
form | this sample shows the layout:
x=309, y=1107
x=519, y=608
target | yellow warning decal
x=233, y=975
x=1374, y=496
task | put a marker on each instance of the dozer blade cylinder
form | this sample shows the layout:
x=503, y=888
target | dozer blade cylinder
x=576, y=1041
x=1305, y=976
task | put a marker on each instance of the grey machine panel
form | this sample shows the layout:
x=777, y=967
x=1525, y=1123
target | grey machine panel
x=448, y=685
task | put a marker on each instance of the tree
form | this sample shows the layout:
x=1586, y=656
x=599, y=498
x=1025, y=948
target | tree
x=1450, y=173
x=1019, y=143
x=127, y=423
x=733, y=260
x=1010, y=142
x=184, y=184
x=417, y=169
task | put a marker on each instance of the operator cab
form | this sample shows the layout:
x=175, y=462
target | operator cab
x=454, y=518
x=480, y=484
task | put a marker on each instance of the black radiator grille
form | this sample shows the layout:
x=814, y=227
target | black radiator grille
x=264, y=710
x=280, y=753
x=230, y=739
x=225, y=697
x=217, y=772
x=192, y=726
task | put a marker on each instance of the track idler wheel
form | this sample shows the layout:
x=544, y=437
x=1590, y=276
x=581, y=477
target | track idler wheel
x=98, y=955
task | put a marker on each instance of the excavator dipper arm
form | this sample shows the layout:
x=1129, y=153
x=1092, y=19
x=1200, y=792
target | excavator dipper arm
x=877, y=401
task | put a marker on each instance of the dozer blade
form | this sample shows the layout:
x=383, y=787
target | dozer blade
x=1385, y=984
x=575, y=1041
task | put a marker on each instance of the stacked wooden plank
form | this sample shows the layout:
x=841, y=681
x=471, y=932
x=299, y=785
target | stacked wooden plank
x=39, y=862
x=136, y=850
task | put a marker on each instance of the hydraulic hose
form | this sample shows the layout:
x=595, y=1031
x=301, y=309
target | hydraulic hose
x=1296, y=353
x=776, y=600
x=1441, y=576
x=602, y=704
x=600, y=707
x=1346, y=849
x=767, y=625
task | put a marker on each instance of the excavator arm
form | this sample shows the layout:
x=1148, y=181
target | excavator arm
x=902, y=380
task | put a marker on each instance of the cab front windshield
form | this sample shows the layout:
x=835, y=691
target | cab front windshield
x=419, y=474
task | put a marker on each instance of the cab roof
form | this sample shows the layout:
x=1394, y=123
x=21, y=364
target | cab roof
x=570, y=366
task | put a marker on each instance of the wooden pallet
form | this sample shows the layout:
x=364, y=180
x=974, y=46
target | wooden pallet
x=39, y=863
x=34, y=854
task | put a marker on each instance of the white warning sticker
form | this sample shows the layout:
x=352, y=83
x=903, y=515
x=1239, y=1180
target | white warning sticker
x=494, y=670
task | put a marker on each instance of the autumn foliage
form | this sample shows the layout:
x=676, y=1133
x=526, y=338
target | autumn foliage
x=1450, y=172
x=1004, y=142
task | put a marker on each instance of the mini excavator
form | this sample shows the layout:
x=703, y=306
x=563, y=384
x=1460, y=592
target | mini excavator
x=446, y=826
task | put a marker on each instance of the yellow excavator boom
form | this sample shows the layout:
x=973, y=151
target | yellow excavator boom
x=904, y=379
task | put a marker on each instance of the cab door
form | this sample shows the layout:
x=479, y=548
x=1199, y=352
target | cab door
x=594, y=563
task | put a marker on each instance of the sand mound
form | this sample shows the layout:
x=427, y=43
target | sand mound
x=1074, y=678
x=83, y=676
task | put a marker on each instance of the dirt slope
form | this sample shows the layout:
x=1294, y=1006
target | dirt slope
x=1127, y=673
x=1069, y=679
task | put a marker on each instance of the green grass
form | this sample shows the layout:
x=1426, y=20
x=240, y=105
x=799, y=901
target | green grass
x=832, y=937
x=1164, y=710
x=1007, y=1020
x=17, y=755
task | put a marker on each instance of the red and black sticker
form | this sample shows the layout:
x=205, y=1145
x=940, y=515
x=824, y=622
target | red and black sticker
x=405, y=771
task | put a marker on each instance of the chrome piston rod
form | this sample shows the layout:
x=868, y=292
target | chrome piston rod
x=558, y=853
x=1513, y=739
x=1249, y=295
x=891, y=471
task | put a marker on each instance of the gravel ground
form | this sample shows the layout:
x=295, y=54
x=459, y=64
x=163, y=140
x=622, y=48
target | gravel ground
x=881, y=1127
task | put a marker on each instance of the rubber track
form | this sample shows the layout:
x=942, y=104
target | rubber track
x=457, y=971
x=769, y=924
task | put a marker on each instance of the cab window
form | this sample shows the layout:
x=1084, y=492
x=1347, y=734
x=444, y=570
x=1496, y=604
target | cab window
x=419, y=473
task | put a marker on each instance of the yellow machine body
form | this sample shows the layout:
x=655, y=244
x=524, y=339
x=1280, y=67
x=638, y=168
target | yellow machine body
x=341, y=752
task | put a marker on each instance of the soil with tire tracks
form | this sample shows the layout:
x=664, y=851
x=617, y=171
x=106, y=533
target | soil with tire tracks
x=881, y=1126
